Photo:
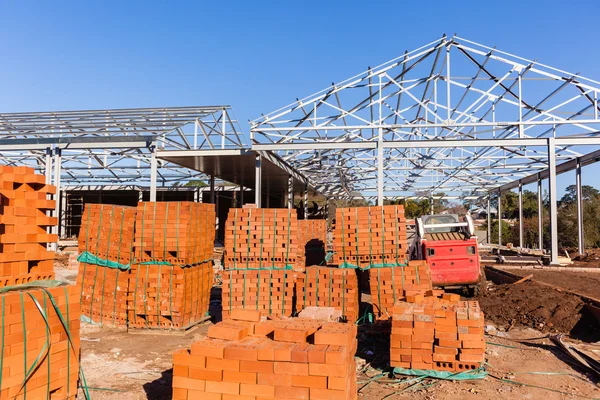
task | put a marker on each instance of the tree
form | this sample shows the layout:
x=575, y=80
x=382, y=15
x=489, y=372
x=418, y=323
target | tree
x=588, y=193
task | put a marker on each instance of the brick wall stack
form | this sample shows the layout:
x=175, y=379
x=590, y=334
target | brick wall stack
x=437, y=334
x=23, y=219
x=171, y=279
x=25, y=333
x=364, y=236
x=285, y=359
x=329, y=287
x=261, y=247
x=106, y=233
x=261, y=238
x=270, y=291
x=389, y=284
x=312, y=242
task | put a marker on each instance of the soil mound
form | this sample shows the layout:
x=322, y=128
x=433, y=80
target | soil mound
x=539, y=307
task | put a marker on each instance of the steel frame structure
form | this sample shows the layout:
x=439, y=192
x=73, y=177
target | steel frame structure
x=453, y=119
x=115, y=147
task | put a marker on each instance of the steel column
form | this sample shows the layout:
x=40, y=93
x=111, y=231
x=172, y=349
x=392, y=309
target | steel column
x=63, y=214
x=553, y=208
x=241, y=195
x=212, y=189
x=580, y=233
x=153, y=173
x=48, y=165
x=290, y=192
x=499, y=218
x=380, y=151
x=258, y=181
x=540, y=214
x=489, y=222
x=306, y=201
x=521, y=244
x=57, y=171
x=431, y=212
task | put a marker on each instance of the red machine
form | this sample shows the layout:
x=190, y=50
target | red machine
x=450, y=248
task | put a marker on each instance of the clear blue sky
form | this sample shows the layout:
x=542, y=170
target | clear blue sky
x=256, y=55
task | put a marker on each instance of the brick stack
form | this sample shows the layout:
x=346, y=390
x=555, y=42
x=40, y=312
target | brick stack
x=437, y=334
x=270, y=291
x=261, y=238
x=389, y=284
x=171, y=281
x=364, y=236
x=239, y=360
x=23, y=220
x=26, y=334
x=312, y=242
x=329, y=287
x=106, y=233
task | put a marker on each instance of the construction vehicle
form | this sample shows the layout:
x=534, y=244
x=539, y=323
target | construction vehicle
x=450, y=248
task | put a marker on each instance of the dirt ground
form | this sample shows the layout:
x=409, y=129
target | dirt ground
x=586, y=283
x=123, y=366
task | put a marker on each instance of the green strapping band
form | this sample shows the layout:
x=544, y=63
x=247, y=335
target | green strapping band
x=273, y=262
x=87, y=241
x=343, y=238
x=158, y=287
x=370, y=240
x=117, y=273
x=89, y=258
x=356, y=233
x=112, y=215
x=96, y=275
x=371, y=266
x=262, y=239
x=24, y=385
x=479, y=373
x=48, y=340
x=235, y=239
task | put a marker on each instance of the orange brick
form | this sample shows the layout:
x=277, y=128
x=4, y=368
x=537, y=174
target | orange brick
x=223, y=387
x=309, y=381
x=274, y=379
x=257, y=390
x=246, y=315
x=289, y=368
x=240, y=377
x=288, y=392
x=222, y=364
x=256, y=366
x=206, y=374
x=188, y=383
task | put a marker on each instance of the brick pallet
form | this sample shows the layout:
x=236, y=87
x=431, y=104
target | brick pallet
x=26, y=334
x=312, y=242
x=389, y=284
x=261, y=237
x=168, y=296
x=239, y=360
x=171, y=280
x=106, y=233
x=177, y=232
x=364, y=236
x=329, y=287
x=437, y=334
x=271, y=291
x=23, y=217
x=103, y=294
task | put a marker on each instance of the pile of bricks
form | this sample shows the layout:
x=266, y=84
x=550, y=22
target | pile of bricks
x=312, y=242
x=106, y=233
x=437, y=334
x=284, y=359
x=329, y=287
x=261, y=238
x=365, y=236
x=389, y=284
x=31, y=327
x=270, y=291
x=24, y=226
x=171, y=280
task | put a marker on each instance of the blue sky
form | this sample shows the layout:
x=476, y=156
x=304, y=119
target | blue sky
x=255, y=55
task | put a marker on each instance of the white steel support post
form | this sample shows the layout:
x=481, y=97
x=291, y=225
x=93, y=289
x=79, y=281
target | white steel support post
x=540, y=213
x=499, y=218
x=57, y=171
x=553, y=208
x=63, y=214
x=212, y=189
x=580, y=233
x=306, y=201
x=380, y=151
x=196, y=195
x=258, y=182
x=153, y=173
x=489, y=221
x=290, y=192
x=431, y=212
x=521, y=244
x=48, y=165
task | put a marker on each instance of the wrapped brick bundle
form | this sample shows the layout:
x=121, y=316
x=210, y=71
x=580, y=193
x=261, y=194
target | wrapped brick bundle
x=329, y=287
x=39, y=321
